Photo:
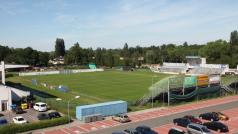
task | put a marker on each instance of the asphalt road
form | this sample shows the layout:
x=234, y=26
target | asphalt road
x=156, y=122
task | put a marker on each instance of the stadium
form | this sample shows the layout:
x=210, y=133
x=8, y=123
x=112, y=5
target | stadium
x=170, y=83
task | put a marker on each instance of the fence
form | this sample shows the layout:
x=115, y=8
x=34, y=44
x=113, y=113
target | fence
x=60, y=105
x=60, y=72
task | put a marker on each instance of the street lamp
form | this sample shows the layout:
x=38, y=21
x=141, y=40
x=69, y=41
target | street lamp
x=76, y=97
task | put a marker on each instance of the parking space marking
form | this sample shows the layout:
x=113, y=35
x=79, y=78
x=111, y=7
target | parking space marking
x=111, y=122
x=99, y=124
x=88, y=127
x=76, y=128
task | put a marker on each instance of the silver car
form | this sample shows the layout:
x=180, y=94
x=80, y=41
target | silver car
x=198, y=129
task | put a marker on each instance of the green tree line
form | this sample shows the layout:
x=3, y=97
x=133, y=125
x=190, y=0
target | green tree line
x=217, y=52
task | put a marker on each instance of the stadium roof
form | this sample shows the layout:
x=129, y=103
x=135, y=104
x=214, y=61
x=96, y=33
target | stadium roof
x=14, y=66
x=190, y=57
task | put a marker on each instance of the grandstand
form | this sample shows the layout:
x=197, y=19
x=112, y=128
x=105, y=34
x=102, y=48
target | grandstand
x=203, y=70
x=194, y=65
x=173, y=69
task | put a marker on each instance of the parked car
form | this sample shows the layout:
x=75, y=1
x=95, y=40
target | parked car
x=194, y=128
x=54, y=115
x=43, y=116
x=18, y=110
x=176, y=131
x=123, y=118
x=19, y=120
x=3, y=121
x=221, y=116
x=181, y=122
x=40, y=106
x=131, y=131
x=217, y=126
x=193, y=119
x=145, y=130
x=209, y=116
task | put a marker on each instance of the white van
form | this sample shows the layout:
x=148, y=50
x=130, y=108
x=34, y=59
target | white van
x=40, y=106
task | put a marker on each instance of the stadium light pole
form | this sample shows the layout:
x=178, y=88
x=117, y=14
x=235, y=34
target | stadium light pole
x=76, y=97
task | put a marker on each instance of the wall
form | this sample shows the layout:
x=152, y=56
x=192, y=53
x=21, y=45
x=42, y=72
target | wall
x=5, y=95
x=215, y=66
x=18, y=94
x=59, y=72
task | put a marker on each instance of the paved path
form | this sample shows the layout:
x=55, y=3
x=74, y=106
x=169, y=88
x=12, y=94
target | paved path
x=153, y=118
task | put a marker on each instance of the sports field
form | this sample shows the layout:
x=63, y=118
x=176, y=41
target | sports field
x=97, y=86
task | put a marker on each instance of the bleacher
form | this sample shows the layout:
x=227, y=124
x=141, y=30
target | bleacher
x=203, y=70
x=173, y=69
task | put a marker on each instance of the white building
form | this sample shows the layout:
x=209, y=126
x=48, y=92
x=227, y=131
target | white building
x=5, y=98
x=9, y=94
x=57, y=61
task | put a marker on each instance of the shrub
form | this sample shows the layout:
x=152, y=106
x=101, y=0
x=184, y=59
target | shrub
x=15, y=128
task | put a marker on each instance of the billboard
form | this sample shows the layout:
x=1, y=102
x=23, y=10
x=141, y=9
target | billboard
x=176, y=82
x=202, y=80
x=190, y=81
x=214, y=79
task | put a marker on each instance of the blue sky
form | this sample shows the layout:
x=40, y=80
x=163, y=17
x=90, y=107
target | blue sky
x=111, y=23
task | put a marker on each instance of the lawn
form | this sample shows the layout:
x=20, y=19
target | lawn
x=95, y=87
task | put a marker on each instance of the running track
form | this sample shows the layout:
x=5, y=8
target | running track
x=138, y=117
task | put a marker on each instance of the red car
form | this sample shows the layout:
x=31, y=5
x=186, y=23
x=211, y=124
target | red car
x=193, y=119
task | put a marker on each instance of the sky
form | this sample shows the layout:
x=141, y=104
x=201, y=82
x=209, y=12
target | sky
x=111, y=23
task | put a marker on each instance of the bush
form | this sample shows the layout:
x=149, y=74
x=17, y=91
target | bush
x=15, y=128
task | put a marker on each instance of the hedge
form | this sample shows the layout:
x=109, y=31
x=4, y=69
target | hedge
x=16, y=128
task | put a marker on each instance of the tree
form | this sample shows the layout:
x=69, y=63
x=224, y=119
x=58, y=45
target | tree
x=125, y=51
x=150, y=56
x=4, y=51
x=59, y=47
x=43, y=58
x=99, y=56
x=74, y=55
x=234, y=38
x=110, y=58
x=215, y=51
x=185, y=44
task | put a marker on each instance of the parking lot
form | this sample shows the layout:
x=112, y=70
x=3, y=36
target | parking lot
x=29, y=114
x=232, y=123
x=106, y=126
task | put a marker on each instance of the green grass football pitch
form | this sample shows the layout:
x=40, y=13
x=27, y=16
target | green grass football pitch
x=97, y=86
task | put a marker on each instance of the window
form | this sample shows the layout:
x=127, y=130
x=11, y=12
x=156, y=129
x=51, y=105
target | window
x=43, y=105
x=204, y=129
x=20, y=119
